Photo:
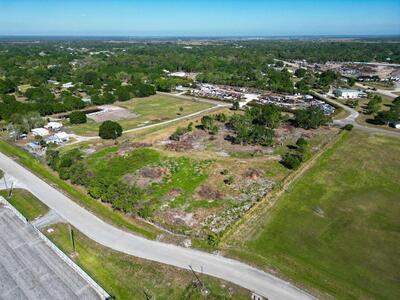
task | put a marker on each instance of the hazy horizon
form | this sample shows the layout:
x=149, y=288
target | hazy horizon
x=178, y=18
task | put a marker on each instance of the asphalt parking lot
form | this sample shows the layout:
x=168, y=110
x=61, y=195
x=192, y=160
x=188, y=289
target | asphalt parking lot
x=29, y=269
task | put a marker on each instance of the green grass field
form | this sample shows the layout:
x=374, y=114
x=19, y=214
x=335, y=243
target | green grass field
x=337, y=230
x=150, y=110
x=26, y=203
x=127, y=277
x=113, y=217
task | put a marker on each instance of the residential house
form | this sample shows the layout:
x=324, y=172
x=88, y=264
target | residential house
x=68, y=85
x=39, y=132
x=53, y=126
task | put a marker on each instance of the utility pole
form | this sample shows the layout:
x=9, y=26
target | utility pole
x=11, y=190
x=71, y=235
x=197, y=277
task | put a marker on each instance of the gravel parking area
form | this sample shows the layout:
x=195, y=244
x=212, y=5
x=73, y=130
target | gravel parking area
x=111, y=112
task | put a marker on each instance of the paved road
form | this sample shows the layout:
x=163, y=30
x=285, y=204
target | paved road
x=352, y=119
x=117, y=239
x=390, y=93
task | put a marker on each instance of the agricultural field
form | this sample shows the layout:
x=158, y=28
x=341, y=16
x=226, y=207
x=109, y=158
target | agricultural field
x=337, y=229
x=140, y=276
x=145, y=111
x=195, y=187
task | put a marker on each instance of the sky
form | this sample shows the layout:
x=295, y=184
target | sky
x=199, y=18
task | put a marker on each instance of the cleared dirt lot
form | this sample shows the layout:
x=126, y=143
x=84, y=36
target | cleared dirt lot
x=111, y=112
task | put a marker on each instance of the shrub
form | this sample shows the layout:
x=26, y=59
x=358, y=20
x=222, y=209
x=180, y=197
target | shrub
x=207, y=122
x=122, y=196
x=292, y=160
x=77, y=117
x=221, y=117
x=235, y=105
x=229, y=180
x=52, y=158
x=214, y=130
x=301, y=142
x=348, y=127
x=122, y=93
x=179, y=132
x=110, y=130
x=213, y=239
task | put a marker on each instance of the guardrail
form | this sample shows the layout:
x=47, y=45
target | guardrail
x=103, y=294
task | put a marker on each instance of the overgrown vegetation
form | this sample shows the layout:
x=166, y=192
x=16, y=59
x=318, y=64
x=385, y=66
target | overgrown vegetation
x=256, y=125
x=298, y=154
x=101, y=211
x=311, y=117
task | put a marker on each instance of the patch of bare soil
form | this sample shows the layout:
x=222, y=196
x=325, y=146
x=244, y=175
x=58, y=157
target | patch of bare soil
x=187, y=142
x=209, y=192
x=174, y=193
x=179, y=146
x=253, y=174
x=111, y=112
x=146, y=176
x=178, y=217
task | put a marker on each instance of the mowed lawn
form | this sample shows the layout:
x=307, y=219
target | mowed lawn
x=149, y=110
x=128, y=277
x=26, y=203
x=338, y=229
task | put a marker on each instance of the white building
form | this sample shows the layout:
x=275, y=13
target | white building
x=39, y=132
x=347, y=93
x=58, y=138
x=178, y=74
x=62, y=136
x=54, y=126
x=67, y=85
x=87, y=99
x=54, y=82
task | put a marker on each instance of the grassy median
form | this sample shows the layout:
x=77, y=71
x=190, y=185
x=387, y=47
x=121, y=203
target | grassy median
x=26, y=203
x=128, y=277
